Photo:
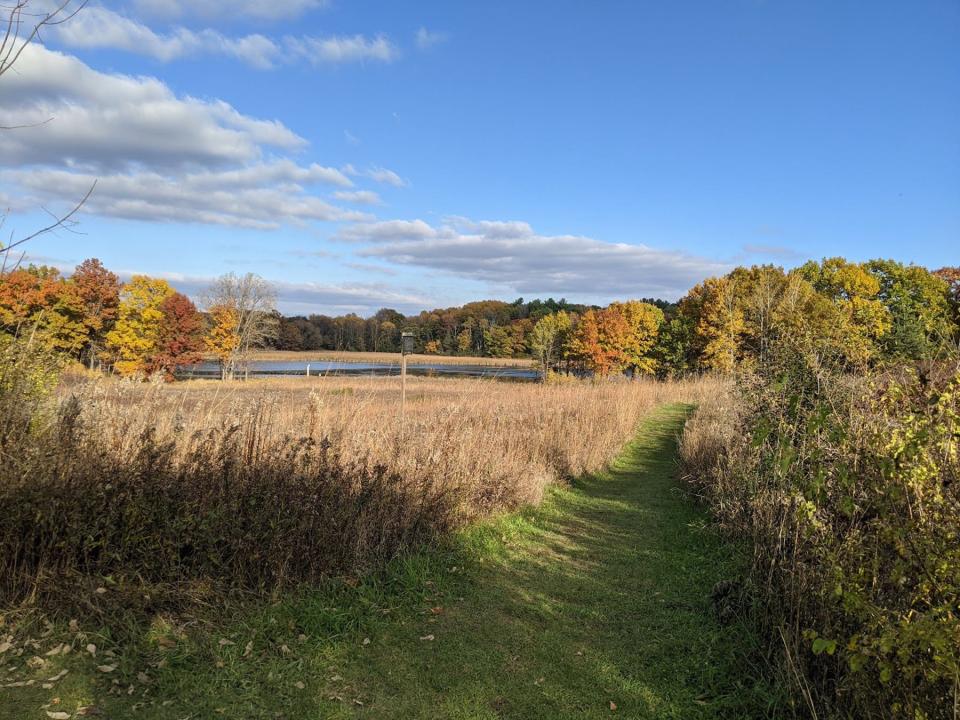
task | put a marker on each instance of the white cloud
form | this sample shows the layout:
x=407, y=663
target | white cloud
x=353, y=48
x=155, y=156
x=377, y=174
x=101, y=121
x=99, y=27
x=426, y=39
x=512, y=256
x=361, y=197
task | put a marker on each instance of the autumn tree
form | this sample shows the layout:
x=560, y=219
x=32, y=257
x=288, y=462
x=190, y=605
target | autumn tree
x=919, y=305
x=718, y=322
x=37, y=301
x=951, y=276
x=223, y=338
x=620, y=337
x=243, y=312
x=855, y=293
x=179, y=337
x=548, y=339
x=135, y=337
x=99, y=291
x=635, y=345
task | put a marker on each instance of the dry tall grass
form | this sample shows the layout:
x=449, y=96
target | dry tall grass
x=265, y=483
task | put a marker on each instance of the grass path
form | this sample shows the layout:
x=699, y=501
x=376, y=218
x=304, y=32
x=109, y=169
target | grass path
x=599, y=596
x=596, y=604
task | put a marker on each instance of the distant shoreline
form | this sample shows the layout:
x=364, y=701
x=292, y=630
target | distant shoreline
x=382, y=357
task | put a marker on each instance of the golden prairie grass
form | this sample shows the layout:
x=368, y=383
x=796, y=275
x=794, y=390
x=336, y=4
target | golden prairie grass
x=497, y=443
x=270, y=482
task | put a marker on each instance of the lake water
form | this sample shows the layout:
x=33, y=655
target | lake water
x=352, y=369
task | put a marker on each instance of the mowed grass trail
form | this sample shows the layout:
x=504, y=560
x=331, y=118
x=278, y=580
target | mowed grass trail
x=594, y=605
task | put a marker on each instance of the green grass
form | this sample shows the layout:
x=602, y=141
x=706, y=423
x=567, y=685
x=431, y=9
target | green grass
x=598, y=596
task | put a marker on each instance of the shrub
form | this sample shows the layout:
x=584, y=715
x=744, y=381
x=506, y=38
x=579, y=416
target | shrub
x=848, y=490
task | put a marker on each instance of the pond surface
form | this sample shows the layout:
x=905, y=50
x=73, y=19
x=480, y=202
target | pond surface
x=321, y=368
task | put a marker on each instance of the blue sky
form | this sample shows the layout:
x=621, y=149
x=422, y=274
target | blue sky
x=362, y=154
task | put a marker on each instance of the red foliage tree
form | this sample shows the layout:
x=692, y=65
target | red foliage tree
x=180, y=340
x=99, y=290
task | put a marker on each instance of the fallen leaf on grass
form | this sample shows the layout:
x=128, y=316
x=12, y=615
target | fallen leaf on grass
x=20, y=683
x=366, y=641
x=36, y=662
x=248, y=648
x=427, y=637
x=4, y=646
x=224, y=642
x=285, y=650
x=299, y=685
x=613, y=705
x=58, y=715
x=62, y=647
x=436, y=610
x=74, y=626
x=57, y=676
x=106, y=668
x=539, y=681
x=92, y=649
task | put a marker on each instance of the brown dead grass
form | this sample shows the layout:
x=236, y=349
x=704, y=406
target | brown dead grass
x=276, y=481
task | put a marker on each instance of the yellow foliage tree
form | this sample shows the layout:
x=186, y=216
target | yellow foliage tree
x=718, y=322
x=223, y=338
x=134, y=337
x=643, y=325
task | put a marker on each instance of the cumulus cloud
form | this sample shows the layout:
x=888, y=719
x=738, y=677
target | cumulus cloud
x=220, y=198
x=99, y=27
x=155, y=156
x=512, y=255
x=103, y=121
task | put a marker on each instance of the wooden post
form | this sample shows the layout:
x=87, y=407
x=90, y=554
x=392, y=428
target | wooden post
x=406, y=347
x=308, y=369
x=403, y=385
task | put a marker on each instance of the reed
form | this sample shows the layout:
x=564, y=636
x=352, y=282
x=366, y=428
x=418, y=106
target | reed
x=263, y=484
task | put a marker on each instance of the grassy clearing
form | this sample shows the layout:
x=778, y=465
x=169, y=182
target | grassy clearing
x=598, y=596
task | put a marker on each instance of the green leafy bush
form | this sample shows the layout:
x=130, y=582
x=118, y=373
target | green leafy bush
x=848, y=488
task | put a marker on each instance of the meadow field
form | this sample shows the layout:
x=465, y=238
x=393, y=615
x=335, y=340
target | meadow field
x=267, y=482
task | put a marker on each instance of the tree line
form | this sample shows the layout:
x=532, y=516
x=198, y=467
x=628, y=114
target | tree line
x=839, y=311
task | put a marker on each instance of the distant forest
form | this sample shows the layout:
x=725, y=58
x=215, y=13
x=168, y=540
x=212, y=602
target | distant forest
x=486, y=328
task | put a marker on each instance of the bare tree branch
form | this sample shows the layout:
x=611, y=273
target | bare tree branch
x=13, y=44
x=15, y=40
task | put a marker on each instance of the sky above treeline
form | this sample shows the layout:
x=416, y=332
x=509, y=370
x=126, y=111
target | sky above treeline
x=361, y=154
